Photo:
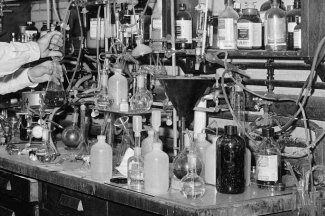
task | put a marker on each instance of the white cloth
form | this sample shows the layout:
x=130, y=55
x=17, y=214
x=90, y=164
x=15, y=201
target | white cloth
x=12, y=56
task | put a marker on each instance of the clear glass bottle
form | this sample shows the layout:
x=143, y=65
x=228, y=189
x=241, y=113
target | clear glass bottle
x=201, y=145
x=238, y=102
x=71, y=136
x=291, y=23
x=227, y=27
x=268, y=161
x=193, y=186
x=142, y=99
x=183, y=27
x=275, y=29
x=230, y=162
x=55, y=95
x=297, y=35
x=118, y=87
x=213, y=36
x=45, y=153
x=104, y=98
x=156, y=170
x=101, y=160
x=249, y=28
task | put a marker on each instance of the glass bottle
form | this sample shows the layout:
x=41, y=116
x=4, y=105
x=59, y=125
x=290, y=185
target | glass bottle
x=227, y=27
x=55, y=95
x=91, y=27
x=143, y=24
x=183, y=27
x=275, y=29
x=118, y=87
x=249, y=28
x=44, y=29
x=201, y=145
x=101, y=160
x=31, y=31
x=156, y=26
x=193, y=186
x=104, y=98
x=71, y=136
x=22, y=36
x=268, y=161
x=214, y=31
x=156, y=170
x=125, y=19
x=291, y=23
x=211, y=161
x=230, y=162
x=142, y=99
x=297, y=35
x=238, y=102
x=45, y=153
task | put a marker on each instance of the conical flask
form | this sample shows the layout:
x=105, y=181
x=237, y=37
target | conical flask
x=55, y=95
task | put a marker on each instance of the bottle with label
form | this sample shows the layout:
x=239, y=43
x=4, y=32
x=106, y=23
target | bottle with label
x=227, y=27
x=183, y=27
x=201, y=145
x=291, y=23
x=156, y=170
x=249, y=28
x=156, y=26
x=275, y=29
x=92, y=27
x=31, y=31
x=297, y=35
x=118, y=87
x=230, y=162
x=101, y=160
x=44, y=29
x=213, y=31
x=268, y=161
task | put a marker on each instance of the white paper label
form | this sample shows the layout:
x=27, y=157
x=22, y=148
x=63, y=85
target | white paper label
x=184, y=30
x=297, y=39
x=267, y=167
x=227, y=33
x=93, y=28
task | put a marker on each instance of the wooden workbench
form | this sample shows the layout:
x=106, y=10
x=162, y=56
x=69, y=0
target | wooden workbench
x=253, y=201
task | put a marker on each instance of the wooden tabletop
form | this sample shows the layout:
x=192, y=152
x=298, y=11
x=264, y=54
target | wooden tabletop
x=75, y=176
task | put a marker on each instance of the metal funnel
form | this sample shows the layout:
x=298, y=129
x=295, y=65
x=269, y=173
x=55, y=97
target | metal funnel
x=184, y=92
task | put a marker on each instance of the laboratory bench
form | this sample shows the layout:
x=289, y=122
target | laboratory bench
x=64, y=187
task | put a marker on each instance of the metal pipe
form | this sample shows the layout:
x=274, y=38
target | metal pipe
x=281, y=83
x=274, y=65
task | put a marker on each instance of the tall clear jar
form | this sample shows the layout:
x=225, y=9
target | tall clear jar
x=227, y=27
x=275, y=29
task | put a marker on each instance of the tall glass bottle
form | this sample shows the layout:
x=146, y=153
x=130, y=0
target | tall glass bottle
x=291, y=23
x=101, y=160
x=104, y=98
x=136, y=162
x=227, y=26
x=297, y=35
x=193, y=186
x=142, y=99
x=214, y=31
x=183, y=27
x=268, y=161
x=275, y=29
x=230, y=162
x=55, y=95
x=118, y=87
x=71, y=136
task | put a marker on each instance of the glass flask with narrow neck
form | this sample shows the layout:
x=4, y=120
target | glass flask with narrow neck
x=275, y=29
x=45, y=153
x=104, y=98
x=55, y=96
x=72, y=135
x=142, y=99
x=193, y=186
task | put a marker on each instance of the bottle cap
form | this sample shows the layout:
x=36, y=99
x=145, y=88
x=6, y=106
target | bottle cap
x=156, y=119
x=137, y=123
x=101, y=138
x=230, y=130
x=268, y=132
x=201, y=136
x=156, y=145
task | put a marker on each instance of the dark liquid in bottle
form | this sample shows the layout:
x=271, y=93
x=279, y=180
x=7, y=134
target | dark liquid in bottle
x=55, y=98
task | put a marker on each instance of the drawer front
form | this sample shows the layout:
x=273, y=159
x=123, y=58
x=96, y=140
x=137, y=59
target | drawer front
x=23, y=188
x=62, y=201
x=10, y=206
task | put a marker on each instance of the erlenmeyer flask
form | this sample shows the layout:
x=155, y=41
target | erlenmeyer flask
x=55, y=95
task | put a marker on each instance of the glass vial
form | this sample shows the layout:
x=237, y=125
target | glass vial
x=297, y=35
x=275, y=29
x=183, y=27
x=291, y=23
x=230, y=162
x=268, y=161
x=55, y=95
x=193, y=186
x=249, y=28
x=142, y=99
x=101, y=160
x=227, y=27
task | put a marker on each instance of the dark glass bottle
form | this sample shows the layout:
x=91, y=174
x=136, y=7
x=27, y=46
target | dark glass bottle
x=291, y=22
x=143, y=24
x=268, y=161
x=230, y=162
x=183, y=27
x=297, y=35
x=31, y=31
